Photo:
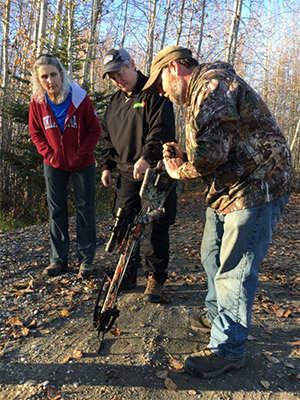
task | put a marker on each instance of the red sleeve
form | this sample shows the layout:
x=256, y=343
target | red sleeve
x=37, y=132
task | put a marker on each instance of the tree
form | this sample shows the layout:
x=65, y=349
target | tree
x=42, y=26
x=233, y=32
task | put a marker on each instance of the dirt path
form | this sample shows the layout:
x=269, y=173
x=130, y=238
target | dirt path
x=48, y=345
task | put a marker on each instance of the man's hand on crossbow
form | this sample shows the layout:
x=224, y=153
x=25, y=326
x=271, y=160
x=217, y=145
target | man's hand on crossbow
x=172, y=161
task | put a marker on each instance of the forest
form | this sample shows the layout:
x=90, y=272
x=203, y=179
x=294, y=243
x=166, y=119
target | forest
x=259, y=37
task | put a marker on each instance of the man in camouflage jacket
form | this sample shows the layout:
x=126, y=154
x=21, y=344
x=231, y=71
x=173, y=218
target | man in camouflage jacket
x=235, y=145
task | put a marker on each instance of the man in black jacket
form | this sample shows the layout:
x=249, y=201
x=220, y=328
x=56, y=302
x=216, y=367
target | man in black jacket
x=134, y=127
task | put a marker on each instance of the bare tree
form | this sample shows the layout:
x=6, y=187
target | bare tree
x=201, y=28
x=124, y=24
x=96, y=13
x=150, y=35
x=179, y=30
x=168, y=10
x=233, y=32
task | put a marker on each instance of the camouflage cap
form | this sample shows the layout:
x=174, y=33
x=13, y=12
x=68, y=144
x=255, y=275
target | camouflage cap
x=160, y=61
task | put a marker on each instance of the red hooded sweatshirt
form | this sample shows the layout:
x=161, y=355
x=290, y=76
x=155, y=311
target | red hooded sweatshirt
x=73, y=149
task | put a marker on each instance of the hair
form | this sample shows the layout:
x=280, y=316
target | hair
x=188, y=62
x=129, y=64
x=38, y=93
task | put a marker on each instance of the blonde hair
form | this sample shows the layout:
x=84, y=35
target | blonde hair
x=38, y=93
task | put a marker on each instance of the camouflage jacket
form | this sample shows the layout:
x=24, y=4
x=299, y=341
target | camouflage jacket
x=233, y=142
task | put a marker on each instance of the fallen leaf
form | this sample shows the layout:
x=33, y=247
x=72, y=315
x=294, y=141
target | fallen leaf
x=65, y=313
x=53, y=394
x=170, y=385
x=294, y=377
x=175, y=365
x=270, y=358
x=289, y=365
x=115, y=332
x=14, y=321
x=45, y=331
x=265, y=384
x=162, y=374
x=251, y=338
x=77, y=354
x=66, y=359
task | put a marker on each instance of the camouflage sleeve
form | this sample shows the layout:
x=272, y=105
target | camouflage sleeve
x=210, y=134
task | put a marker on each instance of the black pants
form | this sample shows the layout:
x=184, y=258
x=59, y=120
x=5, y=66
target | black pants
x=156, y=243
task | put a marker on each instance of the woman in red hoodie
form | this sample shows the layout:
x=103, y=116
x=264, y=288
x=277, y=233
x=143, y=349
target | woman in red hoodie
x=65, y=130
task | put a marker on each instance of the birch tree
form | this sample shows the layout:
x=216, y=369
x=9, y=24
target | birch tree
x=4, y=132
x=42, y=26
x=70, y=14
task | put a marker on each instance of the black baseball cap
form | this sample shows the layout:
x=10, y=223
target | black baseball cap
x=114, y=59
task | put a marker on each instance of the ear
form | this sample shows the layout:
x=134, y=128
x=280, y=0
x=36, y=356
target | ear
x=174, y=67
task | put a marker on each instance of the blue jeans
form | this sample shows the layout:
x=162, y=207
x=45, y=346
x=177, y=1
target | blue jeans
x=232, y=249
x=84, y=195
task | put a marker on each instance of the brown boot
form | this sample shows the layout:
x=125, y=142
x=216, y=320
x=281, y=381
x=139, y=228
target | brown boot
x=55, y=269
x=154, y=289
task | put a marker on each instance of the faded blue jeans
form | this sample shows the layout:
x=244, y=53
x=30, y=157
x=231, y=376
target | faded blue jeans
x=232, y=249
x=84, y=195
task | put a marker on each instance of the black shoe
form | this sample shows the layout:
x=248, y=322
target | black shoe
x=129, y=279
x=199, y=322
x=207, y=364
x=55, y=269
x=127, y=283
x=85, y=271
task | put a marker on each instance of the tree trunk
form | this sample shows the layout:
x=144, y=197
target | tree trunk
x=201, y=28
x=57, y=24
x=70, y=35
x=233, y=32
x=92, y=44
x=192, y=11
x=42, y=26
x=163, y=39
x=179, y=30
x=124, y=24
x=4, y=132
x=150, y=36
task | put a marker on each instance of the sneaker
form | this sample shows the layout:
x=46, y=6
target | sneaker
x=154, y=289
x=207, y=364
x=55, y=269
x=85, y=271
x=199, y=322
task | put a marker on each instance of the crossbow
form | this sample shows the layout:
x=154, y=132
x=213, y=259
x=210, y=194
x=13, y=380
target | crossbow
x=155, y=188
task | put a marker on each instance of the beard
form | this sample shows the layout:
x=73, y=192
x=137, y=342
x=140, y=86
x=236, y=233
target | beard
x=177, y=89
